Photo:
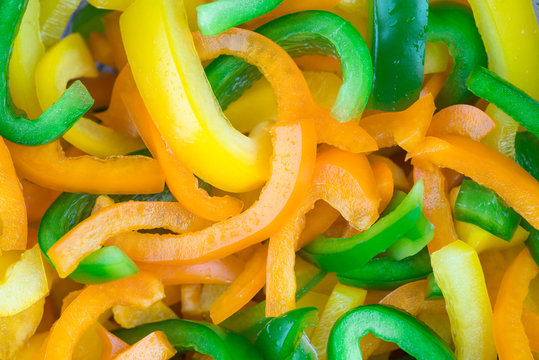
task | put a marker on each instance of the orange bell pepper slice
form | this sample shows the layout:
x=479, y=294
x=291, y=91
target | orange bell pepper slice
x=100, y=88
x=111, y=345
x=13, y=221
x=141, y=290
x=404, y=128
x=191, y=295
x=384, y=182
x=509, y=333
x=243, y=289
x=222, y=271
x=399, y=177
x=100, y=48
x=530, y=320
x=181, y=181
x=434, y=84
x=317, y=222
x=465, y=120
x=154, y=346
x=112, y=29
x=488, y=168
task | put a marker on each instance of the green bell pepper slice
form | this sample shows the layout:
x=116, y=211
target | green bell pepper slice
x=346, y=254
x=388, y=324
x=281, y=336
x=453, y=24
x=104, y=265
x=481, y=206
x=221, y=15
x=527, y=152
x=310, y=32
x=202, y=337
x=398, y=30
x=57, y=119
x=510, y=99
x=433, y=290
x=89, y=19
x=385, y=273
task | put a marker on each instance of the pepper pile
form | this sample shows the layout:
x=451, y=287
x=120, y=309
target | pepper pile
x=269, y=179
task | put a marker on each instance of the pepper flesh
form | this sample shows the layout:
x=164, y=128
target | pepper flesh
x=527, y=153
x=155, y=345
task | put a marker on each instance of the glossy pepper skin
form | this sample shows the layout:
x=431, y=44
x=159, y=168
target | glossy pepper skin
x=527, y=152
x=389, y=324
x=533, y=245
x=328, y=34
x=281, y=336
x=341, y=255
x=58, y=118
x=385, y=273
x=202, y=337
x=453, y=24
x=398, y=51
x=481, y=206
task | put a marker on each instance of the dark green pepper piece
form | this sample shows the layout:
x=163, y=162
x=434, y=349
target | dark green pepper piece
x=388, y=324
x=88, y=20
x=510, y=99
x=454, y=25
x=385, y=273
x=481, y=206
x=310, y=32
x=202, y=337
x=279, y=339
x=57, y=119
x=527, y=153
x=398, y=30
x=433, y=290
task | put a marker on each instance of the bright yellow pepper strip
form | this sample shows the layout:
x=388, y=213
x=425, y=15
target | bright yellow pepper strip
x=171, y=80
x=482, y=240
x=129, y=316
x=70, y=59
x=54, y=16
x=25, y=281
x=120, y=5
x=511, y=35
x=459, y=274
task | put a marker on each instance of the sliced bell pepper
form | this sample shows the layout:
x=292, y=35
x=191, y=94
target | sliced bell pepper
x=436, y=58
x=509, y=332
x=100, y=49
x=219, y=16
x=530, y=320
x=398, y=38
x=458, y=272
x=384, y=181
x=120, y=5
x=141, y=290
x=130, y=317
x=339, y=255
x=433, y=290
x=488, y=168
x=280, y=337
x=328, y=34
x=453, y=24
x=114, y=35
x=13, y=219
x=243, y=289
x=385, y=273
x=200, y=337
x=155, y=345
x=317, y=222
x=389, y=324
x=527, y=152
x=481, y=206
x=111, y=345
x=532, y=242
x=55, y=120
x=465, y=120
x=54, y=17
x=89, y=19
x=433, y=84
x=482, y=240
x=399, y=177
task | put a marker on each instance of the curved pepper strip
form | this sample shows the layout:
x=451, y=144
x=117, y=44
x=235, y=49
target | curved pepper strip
x=433, y=85
x=219, y=16
x=384, y=182
x=389, y=324
x=111, y=345
x=527, y=152
x=13, y=219
x=181, y=181
x=200, y=337
x=140, y=290
x=120, y=5
x=398, y=38
x=54, y=17
x=243, y=289
x=458, y=272
x=68, y=59
x=58, y=118
x=329, y=35
x=454, y=25
x=465, y=120
x=155, y=345
x=100, y=49
x=509, y=333
x=488, y=168
x=280, y=337
x=530, y=320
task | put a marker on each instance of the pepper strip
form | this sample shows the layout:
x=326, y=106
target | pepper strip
x=486, y=167
x=120, y=5
x=509, y=332
x=154, y=345
x=465, y=120
x=181, y=181
x=141, y=290
x=243, y=289
x=384, y=181
x=111, y=345
x=13, y=219
x=219, y=16
x=54, y=17
x=530, y=320
x=70, y=59
x=58, y=118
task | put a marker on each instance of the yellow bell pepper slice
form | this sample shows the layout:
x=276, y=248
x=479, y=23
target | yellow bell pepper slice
x=482, y=240
x=458, y=272
x=120, y=5
x=25, y=281
x=511, y=35
x=436, y=58
x=31, y=347
x=54, y=16
x=15, y=330
x=129, y=317
x=27, y=51
x=171, y=80
x=342, y=299
x=70, y=59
